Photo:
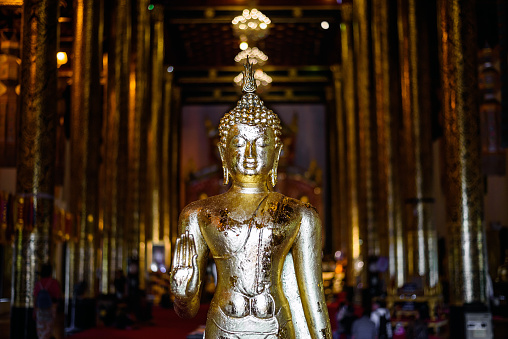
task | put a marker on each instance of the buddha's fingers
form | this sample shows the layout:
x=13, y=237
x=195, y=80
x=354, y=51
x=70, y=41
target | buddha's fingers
x=193, y=285
x=193, y=250
x=186, y=250
x=178, y=254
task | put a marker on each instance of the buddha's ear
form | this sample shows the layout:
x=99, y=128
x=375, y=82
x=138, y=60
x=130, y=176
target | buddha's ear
x=222, y=152
x=273, y=171
x=278, y=151
x=225, y=170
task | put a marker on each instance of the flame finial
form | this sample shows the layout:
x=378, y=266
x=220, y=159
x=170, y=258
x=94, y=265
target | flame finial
x=249, y=83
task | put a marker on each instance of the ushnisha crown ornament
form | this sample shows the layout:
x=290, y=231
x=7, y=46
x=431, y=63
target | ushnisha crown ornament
x=250, y=110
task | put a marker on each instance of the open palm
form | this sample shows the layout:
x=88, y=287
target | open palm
x=185, y=273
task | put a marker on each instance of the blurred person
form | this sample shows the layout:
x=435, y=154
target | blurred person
x=341, y=313
x=46, y=295
x=364, y=328
x=120, y=284
x=381, y=318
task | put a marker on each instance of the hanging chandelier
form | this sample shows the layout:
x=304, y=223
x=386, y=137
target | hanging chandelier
x=252, y=24
x=256, y=56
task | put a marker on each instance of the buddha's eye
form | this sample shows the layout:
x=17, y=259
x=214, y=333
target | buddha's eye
x=262, y=142
x=237, y=142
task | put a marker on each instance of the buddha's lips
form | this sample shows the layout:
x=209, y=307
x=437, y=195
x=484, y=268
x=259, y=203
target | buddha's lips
x=249, y=164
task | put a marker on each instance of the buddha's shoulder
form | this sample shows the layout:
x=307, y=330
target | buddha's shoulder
x=297, y=205
x=203, y=206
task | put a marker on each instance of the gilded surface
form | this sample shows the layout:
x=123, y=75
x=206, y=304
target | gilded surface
x=391, y=233
x=136, y=109
x=338, y=160
x=116, y=145
x=38, y=90
x=154, y=144
x=422, y=240
x=142, y=106
x=250, y=231
x=351, y=148
x=85, y=150
x=464, y=181
x=35, y=165
x=122, y=74
x=366, y=182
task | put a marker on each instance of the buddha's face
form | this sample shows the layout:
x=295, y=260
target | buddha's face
x=250, y=153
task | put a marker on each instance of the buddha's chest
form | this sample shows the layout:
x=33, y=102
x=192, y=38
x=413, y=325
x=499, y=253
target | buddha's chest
x=264, y=234
x=249, y=254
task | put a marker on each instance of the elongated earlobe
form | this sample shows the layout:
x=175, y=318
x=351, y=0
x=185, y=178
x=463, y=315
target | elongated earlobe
x=273, y=177
x=225, y=171
x=273, y=171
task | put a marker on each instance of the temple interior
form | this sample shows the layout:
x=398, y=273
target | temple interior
x=394, y=127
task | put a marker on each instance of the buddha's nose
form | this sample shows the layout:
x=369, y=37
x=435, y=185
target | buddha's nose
x=250, y=150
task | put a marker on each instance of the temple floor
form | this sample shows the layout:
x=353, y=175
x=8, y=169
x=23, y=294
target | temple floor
x=164, y=324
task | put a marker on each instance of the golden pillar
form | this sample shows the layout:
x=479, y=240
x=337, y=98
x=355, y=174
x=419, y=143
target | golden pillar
x=332, y=164
x=35, y=158
x=366, y=183
x=154, y=213
x=104, y=197
x=355, y=272
x=417, y=145
x=86, y=112
x=166, y=165
x=339, y=180
x=116, y=148
x=464, y=204
x=390, y=225
x=175, y=108
x=137, y=136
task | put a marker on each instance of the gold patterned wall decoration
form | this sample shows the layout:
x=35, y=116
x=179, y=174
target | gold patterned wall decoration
x=464, y=200
x=35, y=165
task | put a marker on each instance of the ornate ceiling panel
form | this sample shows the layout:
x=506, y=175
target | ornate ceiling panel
x=203, y=36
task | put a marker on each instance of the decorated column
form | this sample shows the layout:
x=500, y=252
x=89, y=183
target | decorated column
x=390, y=224
x=137, y=137
x=356, y=275
x=116, y=145
x=464, y=194
x=85, y=157
x=339, y=191
x=174, y=161
x=35, y=158
x=154, y=213
x=166, y=159
x=417, y=145
x=366, y=132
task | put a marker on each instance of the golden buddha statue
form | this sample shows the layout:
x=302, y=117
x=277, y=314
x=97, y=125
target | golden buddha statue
x=266, y=246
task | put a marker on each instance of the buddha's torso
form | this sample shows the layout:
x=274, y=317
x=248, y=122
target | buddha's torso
x=249, y=251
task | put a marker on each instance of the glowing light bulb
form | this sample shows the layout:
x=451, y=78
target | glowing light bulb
x=61, y=58
x=325, y=25
x=154, y=267
x=244, y=45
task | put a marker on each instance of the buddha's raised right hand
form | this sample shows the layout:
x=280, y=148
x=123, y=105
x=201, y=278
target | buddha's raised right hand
x=185, y=273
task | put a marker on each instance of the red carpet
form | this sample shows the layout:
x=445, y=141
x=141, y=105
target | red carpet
x=165, y=324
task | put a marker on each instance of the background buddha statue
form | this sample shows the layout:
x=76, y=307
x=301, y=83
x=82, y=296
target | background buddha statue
x=266, y=246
